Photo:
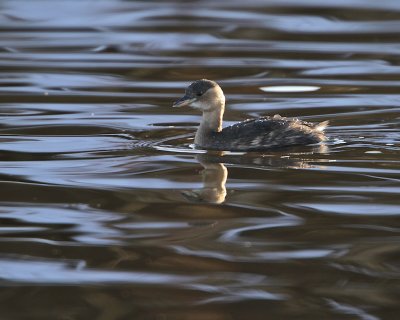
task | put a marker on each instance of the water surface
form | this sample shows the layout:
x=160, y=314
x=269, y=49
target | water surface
x=108, y=213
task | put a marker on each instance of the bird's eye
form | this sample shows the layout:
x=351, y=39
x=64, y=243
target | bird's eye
x=199, y=94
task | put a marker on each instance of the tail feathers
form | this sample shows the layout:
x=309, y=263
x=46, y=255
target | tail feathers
x=321, y=126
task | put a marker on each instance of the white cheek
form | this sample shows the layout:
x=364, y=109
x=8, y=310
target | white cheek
x=198, y=105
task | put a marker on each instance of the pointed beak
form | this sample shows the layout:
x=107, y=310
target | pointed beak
x=184, y=101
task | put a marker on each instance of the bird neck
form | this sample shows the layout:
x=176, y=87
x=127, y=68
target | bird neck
x=211, y=122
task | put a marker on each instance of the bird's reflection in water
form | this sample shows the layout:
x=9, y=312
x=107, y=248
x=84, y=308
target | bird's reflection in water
x=214, y=178
x=215, y=173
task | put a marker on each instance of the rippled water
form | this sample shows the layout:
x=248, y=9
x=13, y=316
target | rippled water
x=107, y=212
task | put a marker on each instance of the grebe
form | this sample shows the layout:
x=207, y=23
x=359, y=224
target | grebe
x=249, y=135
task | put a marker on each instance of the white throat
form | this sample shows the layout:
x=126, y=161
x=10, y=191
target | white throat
x=212, y=103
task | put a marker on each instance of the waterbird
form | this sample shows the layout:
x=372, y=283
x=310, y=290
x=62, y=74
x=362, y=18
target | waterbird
x=257, y=134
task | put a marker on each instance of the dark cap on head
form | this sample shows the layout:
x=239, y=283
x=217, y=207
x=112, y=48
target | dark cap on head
x=195, y=91
x=199, y=87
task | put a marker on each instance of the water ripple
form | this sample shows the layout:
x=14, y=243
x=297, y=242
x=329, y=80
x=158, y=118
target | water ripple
x=108, y=212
